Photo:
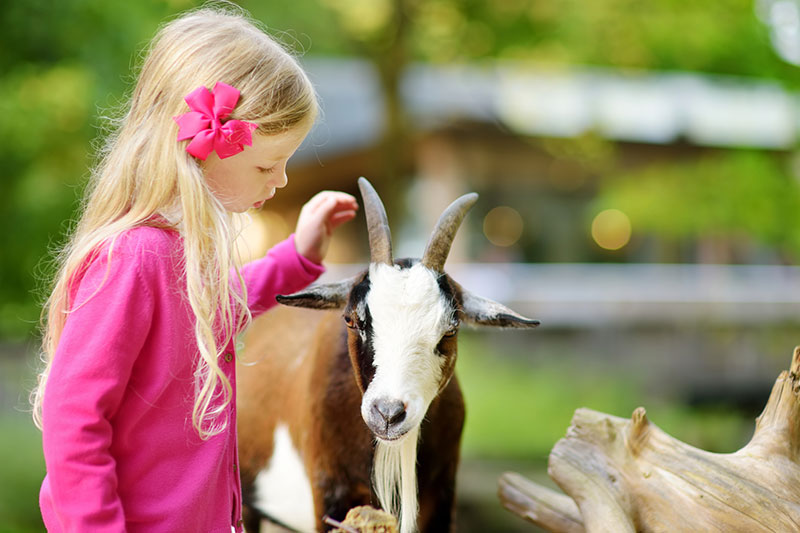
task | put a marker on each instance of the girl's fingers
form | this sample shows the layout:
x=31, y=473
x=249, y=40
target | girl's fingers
x=318, y=218
x=332, y=206
x=326, y=211
x=339, y=218
x=329, y=199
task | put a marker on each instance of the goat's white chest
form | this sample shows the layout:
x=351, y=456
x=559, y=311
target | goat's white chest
x=282, y=488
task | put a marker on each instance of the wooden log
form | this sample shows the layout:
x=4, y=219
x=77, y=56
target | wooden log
x=628, y=475
x=364, y=519
x=550, y=509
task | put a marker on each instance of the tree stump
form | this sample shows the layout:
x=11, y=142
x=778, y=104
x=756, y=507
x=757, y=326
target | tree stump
x=623, y=475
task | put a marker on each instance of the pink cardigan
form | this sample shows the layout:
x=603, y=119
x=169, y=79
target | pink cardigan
x=119, y=445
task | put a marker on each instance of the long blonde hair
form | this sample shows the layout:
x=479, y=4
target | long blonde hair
x=144, y=174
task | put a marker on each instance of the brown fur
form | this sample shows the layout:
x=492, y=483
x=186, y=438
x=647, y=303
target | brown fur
x=304, y=377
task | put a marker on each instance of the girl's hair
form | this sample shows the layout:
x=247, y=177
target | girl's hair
x=145, y=174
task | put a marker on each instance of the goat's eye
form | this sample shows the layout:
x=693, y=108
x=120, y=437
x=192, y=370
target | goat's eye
x=451, y=331
x=350, y=322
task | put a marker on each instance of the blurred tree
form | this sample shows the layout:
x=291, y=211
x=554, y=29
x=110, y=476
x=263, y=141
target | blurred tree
x=379, y=30
x=727, y=37
x=723, y=37
x=61, y=60
x=726, y=203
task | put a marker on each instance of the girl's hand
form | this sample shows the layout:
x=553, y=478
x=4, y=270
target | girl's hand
x=322, y=214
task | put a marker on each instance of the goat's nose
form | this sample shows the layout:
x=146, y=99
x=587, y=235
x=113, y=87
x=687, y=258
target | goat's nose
x=392, y=411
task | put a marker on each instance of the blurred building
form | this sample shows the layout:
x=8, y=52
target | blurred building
x=506, y=131
x=535, y=141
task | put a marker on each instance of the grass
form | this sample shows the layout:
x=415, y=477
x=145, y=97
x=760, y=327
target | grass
x=518, y=409
x=22, y=469
x=21, y=475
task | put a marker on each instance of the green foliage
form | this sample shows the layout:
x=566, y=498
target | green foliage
x=61, y=61
x=64, y=63
x=43, y=164
x=731, y=195
x=721, y=37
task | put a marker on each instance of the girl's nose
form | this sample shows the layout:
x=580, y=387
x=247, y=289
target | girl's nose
x=284, y=179
x=279, y=179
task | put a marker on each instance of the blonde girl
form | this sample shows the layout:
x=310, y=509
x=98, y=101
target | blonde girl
x=137, y=400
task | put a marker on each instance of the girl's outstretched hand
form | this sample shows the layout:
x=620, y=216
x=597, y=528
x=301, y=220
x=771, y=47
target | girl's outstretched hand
x=322, y=214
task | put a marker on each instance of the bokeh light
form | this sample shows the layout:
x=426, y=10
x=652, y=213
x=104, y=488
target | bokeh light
x=611, y=229
x=503, y=226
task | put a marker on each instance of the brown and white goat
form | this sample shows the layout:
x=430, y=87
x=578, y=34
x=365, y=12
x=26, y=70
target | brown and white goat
x=339, y=413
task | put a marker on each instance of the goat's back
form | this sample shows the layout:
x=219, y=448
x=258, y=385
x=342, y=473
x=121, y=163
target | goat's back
x=275, y=370
x=295, y=371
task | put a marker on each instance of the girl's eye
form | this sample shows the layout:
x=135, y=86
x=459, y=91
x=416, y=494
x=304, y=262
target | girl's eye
x=269, y=170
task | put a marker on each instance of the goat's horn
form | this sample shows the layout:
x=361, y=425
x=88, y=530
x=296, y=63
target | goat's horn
x=380, y=238
x=445, y=231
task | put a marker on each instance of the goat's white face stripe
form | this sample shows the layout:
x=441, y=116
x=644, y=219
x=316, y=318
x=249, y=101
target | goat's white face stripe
x=409, y=317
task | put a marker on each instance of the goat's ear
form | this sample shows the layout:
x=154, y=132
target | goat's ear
x=320, y=296
x=485, y=312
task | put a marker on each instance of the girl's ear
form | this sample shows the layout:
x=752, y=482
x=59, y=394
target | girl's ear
x=321, y=296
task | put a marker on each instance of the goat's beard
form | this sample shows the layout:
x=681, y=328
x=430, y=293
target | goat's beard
x=394, y=476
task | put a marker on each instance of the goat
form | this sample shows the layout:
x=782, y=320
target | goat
x=341, y=413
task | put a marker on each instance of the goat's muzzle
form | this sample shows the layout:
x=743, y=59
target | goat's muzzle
x=385, y=418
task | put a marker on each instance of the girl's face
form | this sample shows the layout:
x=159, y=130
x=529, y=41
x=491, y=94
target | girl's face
x=249, y=178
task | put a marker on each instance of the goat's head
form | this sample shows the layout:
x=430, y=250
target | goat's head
x=403, y=319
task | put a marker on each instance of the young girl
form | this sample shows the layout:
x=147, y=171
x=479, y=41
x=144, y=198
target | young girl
x=137, y=403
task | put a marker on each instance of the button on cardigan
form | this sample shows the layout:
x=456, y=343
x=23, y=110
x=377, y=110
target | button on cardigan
x=119, y=444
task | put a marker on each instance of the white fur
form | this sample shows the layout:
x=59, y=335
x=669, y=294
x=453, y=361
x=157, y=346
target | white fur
x=395, y=479
x=282, y=489
x=409, y=318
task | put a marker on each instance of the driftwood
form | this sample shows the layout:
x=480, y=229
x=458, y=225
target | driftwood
x=364, y=519
x=623, y=475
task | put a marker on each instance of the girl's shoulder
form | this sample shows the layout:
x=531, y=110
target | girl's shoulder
x=151, y=255
x=148, y=240
x=156, y=251
x=149, y=250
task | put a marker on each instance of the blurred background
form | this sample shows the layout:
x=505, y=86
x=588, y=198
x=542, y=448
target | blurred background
x=637, y=164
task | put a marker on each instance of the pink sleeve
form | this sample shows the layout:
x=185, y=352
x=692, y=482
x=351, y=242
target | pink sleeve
x=100, y=342
x=282, y=271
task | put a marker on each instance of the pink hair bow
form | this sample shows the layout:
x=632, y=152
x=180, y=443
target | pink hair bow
x=205, y=124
